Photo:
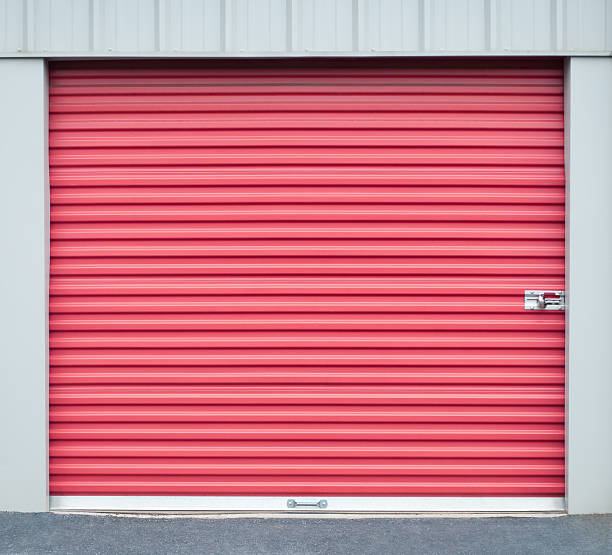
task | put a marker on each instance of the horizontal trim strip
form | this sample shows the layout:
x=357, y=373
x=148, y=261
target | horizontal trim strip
x=279, y=504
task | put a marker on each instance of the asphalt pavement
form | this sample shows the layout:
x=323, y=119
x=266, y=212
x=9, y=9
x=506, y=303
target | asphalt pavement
x=85, y=534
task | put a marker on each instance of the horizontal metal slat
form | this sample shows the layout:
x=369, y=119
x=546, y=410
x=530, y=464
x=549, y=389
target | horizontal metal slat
x=262, y=68
x=322, y=356
x=241, y=375
x=282, y=321
x=310, y=266
x=400, y=250
x=214, y=156
x=533, y=414
x=307, y=395
x=541, y=176
x=527, y=230
x=301, y=212
x=294, y=486
x=307, y=195
x=311, y=467
x=358, y=120
x=298, y=339
x=299, y=432
x=296, y=86
x=305, y=138
x=271, y=304
x=290, y=285
x=307, y=103
x=324, y=449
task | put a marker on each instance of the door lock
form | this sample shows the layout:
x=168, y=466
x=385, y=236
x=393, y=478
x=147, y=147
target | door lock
x=544, y=300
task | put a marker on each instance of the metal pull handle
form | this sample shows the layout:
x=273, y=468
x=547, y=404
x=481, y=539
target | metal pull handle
x=292, y=504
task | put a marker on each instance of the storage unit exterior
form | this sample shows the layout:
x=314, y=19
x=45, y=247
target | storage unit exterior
x=276, y=282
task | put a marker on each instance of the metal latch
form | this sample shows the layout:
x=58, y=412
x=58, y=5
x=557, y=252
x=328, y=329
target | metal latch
x=544, y=300
x=292, y=504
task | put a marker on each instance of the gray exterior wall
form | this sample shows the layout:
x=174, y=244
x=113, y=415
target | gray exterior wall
x=24, y=253
x=210, y=28
x=43, y=28
x=589, y=277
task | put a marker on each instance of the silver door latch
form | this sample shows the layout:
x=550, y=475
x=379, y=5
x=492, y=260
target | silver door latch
x=544, y=300
x=292, y=504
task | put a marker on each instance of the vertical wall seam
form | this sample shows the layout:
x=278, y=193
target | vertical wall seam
x=421, y=25
x=223, y=25
x=289, y=24
x=91, y=41
x=554, y=16
x=355, y=34
x=24, y=29
x=493, y=30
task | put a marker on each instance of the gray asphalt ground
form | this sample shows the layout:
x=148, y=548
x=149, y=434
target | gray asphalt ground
x=83, y=534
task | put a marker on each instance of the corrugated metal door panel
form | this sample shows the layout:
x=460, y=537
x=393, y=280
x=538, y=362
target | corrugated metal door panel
x=306, y=278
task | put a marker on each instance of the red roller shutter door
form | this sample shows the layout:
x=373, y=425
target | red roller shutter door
x=306, y=279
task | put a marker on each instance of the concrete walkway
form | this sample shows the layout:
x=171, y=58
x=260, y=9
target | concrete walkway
x=83, y=534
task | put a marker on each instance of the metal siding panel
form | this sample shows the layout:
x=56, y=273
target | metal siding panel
x=258, y=290
x=192, y=25
x=303, y=27
x=12, y=36
x=544, y=26
x=458, y=26
x=389, y=26
x=526, y=25
x=587, y=24
x=322, y=25
x=24, y=227
x=58, y=24
x=608, y=25
x=258, y=25
x=125, y=26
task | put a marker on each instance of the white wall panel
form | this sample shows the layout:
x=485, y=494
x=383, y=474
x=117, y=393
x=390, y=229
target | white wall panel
x=127, y=26
x=524, y=25
x=57, y=24
x=587, y=29
x=588, y=131
x=24, y=233
x=392, y=26
x=191, y=25
x=458, y=25
x=303, y=27
x=11, y=26
x=257, y=26
x=322, y=25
